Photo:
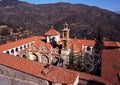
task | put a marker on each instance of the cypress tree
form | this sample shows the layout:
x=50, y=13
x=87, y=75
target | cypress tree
x=99, y=45
x=98, y=48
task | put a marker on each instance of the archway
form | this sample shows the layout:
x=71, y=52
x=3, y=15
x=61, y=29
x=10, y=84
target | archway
x=55, y=60
x=44, y=59
x=35, y=57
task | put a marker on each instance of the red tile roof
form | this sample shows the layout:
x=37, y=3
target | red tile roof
x=34, y=68
x=92, y=77
x=19, y=43
x=77, y=47
x=86, y=42
x=110, y=43
x=118, y=44
x=36, y=38
x=92, y=42
x=38, y=44
x=52, y=32
x=111, y=65
x=57, y=74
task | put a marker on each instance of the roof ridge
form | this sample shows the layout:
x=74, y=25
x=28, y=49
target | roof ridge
x=52, y=31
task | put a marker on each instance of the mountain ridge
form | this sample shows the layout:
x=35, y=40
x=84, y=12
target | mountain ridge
x=82, y=19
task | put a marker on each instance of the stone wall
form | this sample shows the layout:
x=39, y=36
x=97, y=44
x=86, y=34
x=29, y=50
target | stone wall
x=19, y=78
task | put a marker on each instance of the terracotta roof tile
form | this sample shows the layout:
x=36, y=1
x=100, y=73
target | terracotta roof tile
x=111, y=65
x=37, y=39
x=92, y=77
x=60, y=75
x=86, y=42
x=118, y=44
x=52, y=32
x=18, y=43
x=77, y=47
x=92, y=42
x=39, y=44
x=57, y=74
x=110, y=43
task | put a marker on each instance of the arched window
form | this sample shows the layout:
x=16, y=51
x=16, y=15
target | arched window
x=24, y=46
x=17, y=55
x=31, y=43
x=16, y=49
x=12, y=51
x=7, y=52
x=28, y=45
x=24, y=56
x=88, y=48
x=21, y=47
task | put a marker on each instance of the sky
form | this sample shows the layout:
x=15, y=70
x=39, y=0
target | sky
x=112, y=5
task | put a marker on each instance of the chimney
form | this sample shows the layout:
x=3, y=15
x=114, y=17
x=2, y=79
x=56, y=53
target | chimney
x=75, y=37
x=83, y=48
x=84, y=38
x=47, y=69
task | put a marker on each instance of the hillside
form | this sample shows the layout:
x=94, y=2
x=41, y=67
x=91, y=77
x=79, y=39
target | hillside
x=10, y=33
x=83, y=19
x=117, y=12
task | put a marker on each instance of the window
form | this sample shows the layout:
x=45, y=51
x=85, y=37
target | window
x=17, y=55
x=7, y=52
x=65, y=45
x=88, y=48
x=50, y=83
x=31, y=43
x=12, y=51
x=65, y=35
x=24, y=56
x=21, y=47
x=28, y=45
x=16, y=49
x=24, y=46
